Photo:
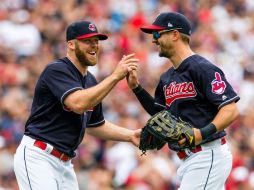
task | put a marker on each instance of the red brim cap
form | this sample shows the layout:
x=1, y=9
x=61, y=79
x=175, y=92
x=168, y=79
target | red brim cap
x=100, y=36
x=150, y=28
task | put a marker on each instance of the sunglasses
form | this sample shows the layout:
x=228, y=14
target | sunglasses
x=157, y=34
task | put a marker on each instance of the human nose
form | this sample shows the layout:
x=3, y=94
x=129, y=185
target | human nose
x=154, y=41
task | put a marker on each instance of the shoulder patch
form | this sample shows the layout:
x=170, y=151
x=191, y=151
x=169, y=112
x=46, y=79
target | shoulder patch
x=218, y=85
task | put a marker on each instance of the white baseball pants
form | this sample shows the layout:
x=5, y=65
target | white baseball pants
x=207, y=169
x=35, y=169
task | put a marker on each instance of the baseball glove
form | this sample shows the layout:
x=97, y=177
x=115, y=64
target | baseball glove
x=164, y=128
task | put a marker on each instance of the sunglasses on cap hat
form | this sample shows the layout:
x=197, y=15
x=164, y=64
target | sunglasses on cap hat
x=157, y=34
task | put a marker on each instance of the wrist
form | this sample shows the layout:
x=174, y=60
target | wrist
x=138, y=89
x=208, y=130
x=198, y=136
x=114, y=77
x=134, y=86
x=129, y=137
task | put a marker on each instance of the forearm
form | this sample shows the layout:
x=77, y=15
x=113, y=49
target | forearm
x=146, y=100
x=225, y=116
x=222, y=120
x=110, y=131
x=92, y=96
x=81, y=100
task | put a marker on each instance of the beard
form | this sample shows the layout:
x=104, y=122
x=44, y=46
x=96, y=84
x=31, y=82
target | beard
x=162, y=53
x=166, y=50
x=83, y=58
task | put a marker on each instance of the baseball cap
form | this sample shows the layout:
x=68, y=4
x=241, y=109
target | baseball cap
x=83, y=29
x=169, y=21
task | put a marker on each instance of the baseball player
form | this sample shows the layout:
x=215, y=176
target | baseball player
x=67, y=101
x=196, y=91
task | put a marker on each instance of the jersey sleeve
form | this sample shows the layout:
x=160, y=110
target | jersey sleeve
x=60, y=81
x=97, y=117
x=217, y=89
x=159, y=98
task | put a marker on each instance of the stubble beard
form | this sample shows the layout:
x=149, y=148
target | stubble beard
x=165, y=51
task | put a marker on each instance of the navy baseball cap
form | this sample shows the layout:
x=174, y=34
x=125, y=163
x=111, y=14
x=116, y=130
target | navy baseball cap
x=83, y=29
x=169, y=21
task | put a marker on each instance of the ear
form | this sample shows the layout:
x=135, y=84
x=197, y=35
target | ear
x=71, y=44
x=176, y=35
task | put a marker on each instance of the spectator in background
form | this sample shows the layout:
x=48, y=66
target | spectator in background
x=214, y=22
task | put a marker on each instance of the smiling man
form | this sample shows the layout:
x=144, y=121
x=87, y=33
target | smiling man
x=196, y=91
x=67, y=101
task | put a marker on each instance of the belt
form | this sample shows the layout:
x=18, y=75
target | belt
x=42, y=145
x=186, y=153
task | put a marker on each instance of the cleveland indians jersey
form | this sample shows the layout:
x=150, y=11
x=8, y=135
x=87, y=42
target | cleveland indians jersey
x=194, y=92
x=50, y=121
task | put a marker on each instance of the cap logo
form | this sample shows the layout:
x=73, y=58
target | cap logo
x=92, y=27
x=170, y=25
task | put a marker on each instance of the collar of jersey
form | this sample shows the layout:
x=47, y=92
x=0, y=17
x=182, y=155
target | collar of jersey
x=70, y=63
x=184, y=63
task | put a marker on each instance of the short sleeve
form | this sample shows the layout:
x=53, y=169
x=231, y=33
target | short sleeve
x=159, y=95
x=61, y=81
x=217, y=89
x=97, y=117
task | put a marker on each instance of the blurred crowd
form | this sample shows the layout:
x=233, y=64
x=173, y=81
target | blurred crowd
x=32, y=34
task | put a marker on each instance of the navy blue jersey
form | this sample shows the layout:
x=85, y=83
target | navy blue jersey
x=50, y=121
x=194, y=92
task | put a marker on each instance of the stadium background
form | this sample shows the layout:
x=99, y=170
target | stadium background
x=32, y=33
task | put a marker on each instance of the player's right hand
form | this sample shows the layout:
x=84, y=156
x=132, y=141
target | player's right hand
x=125, y=65
x=132, y=79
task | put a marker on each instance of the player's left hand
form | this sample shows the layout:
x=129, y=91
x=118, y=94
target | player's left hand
x=198, y=138
x=135, y=138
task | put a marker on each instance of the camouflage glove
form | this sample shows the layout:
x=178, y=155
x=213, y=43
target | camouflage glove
x=148, y=141
x=163, y=128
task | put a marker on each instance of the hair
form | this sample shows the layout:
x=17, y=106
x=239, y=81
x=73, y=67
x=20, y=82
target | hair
x=185, y=38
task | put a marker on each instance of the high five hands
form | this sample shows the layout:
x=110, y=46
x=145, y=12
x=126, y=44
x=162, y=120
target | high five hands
x=132, y=77
x=126, y=65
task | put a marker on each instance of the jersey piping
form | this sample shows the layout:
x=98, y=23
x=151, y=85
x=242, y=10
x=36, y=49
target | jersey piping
x=228, y=101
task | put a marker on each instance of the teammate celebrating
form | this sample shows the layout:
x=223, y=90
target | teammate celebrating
x=67, y=101
x=197, y=92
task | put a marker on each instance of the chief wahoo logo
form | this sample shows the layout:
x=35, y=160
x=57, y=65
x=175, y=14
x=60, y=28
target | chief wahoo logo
x=92, y=27
x=218, y=85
